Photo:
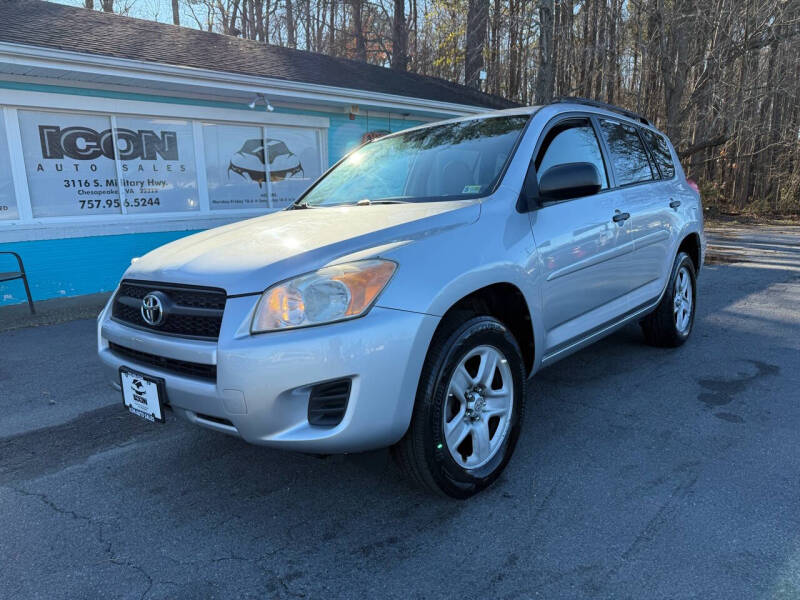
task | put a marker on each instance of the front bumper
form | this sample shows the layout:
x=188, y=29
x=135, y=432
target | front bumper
x=263, y=381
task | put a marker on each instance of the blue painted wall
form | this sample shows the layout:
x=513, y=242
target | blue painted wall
x=76, y=266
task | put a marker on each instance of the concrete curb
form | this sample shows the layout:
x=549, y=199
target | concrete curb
x=50, y=312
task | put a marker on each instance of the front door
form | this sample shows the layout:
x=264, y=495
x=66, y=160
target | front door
x=580, y=246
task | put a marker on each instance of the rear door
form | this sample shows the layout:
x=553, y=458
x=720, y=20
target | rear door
x=579, y=244
x=646, y=200
x=671, y=202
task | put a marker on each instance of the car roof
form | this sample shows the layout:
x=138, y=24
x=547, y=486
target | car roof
x=554, y=108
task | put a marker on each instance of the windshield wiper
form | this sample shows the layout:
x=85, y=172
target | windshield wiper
x=368, y=202
x=298, y=206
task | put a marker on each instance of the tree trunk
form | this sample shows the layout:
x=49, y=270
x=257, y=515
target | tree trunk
x=399, y=37
x=176, y=13
x=545, y=77
x=108, y=5
x=358, y=29
x=477, y=20
x=494, y=48
x=674, y=38
x=513, y=49
x=88, y=4
x=291, y=27
x=332, y=29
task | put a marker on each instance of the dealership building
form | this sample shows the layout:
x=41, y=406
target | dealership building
x=118, y=135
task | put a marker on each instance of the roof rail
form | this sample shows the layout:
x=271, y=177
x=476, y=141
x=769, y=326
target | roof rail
x=605, y=105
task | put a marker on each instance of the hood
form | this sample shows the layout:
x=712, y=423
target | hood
x=249, y=256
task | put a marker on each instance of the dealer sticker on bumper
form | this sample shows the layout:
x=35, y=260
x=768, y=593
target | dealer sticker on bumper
x=142, y=395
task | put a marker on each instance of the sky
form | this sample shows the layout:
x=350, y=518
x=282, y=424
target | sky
x=154, y=10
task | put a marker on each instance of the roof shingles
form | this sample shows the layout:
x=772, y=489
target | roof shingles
x=38, y=23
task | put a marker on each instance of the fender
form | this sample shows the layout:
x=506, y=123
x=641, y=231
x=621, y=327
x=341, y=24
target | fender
x=497, y=248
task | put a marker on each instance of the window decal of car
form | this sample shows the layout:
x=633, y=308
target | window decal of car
x=248, y=162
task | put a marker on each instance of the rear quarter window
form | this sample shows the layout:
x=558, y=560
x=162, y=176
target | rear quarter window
x=660, y=149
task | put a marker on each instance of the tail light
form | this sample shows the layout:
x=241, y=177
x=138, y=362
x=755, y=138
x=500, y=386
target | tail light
x=693, y=184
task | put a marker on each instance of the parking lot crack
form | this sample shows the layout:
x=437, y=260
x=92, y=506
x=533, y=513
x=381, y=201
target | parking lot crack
x=115, y=560
x=45, y=499
x=647, y=532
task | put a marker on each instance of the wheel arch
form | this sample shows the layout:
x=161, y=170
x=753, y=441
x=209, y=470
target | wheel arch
x=505, y=302
x=691, y=245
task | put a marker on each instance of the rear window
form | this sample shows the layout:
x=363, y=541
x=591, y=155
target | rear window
x=660, y=149
x=628, y=155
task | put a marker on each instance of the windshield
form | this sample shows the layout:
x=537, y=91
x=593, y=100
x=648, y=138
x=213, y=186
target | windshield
x=443, y=162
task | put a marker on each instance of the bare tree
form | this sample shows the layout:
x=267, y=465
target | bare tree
x=721, y=78
x=399, y=36
x=545, y=78
x=357, y=8
x=477, y=22
x=291, y=32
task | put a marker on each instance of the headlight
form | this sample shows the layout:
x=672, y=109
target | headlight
x=330, y=294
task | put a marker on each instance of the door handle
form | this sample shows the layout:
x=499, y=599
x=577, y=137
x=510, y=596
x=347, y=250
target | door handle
x=620, y=217
x=675, y=204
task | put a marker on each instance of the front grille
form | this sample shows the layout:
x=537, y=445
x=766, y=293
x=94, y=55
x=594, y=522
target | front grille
x=327, y=403
x=194, y=312
x=173, y=365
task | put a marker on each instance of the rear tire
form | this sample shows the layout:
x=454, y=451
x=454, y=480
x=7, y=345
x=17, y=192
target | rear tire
x=468, y=409
x=670, y=324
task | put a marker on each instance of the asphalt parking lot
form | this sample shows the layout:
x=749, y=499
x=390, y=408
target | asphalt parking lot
x=641, y=473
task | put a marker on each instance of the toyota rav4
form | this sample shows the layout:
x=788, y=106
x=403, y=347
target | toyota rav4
x=406, y=298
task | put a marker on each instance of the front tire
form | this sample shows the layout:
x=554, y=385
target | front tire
x=670, y=324
x=468, y=409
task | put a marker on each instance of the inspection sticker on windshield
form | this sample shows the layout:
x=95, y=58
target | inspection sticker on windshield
x=142, y=395
x=471, y=189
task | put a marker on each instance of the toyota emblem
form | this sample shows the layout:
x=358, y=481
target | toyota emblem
x=152, y=309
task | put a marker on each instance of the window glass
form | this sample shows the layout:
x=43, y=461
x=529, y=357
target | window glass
x=69, y=161
x=237, y=176
x=157, y=163
x=440, y=162
x=294, y=162
x=8, y=204
x=569, y=143
x=628, y=155
x=660, y=149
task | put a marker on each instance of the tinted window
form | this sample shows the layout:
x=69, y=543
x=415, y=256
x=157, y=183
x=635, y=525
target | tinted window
x=568, y=143
x=454, y=160
x=660, y=149
x=628, y=155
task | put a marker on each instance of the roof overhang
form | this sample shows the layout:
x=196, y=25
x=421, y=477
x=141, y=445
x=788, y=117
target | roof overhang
x=19, y=60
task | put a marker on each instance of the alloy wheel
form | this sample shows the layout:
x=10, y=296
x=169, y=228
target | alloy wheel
x=682, y=305
x=478, y=407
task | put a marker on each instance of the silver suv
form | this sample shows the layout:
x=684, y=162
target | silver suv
x=406, y=298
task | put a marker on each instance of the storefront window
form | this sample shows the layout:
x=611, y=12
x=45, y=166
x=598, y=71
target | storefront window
x=157, y=164
x=295, y=161
x=235, y=170
x=96, y=164
x=69, y=162
x=8, y=203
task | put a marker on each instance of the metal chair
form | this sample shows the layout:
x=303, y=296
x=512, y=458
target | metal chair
x=11, y=275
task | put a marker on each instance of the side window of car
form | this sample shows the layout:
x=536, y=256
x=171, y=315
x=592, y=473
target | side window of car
x=569, y=142
x=631, y=164
x=660, y=150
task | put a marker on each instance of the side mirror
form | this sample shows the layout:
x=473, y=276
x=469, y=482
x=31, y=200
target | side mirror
x=570, y=180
